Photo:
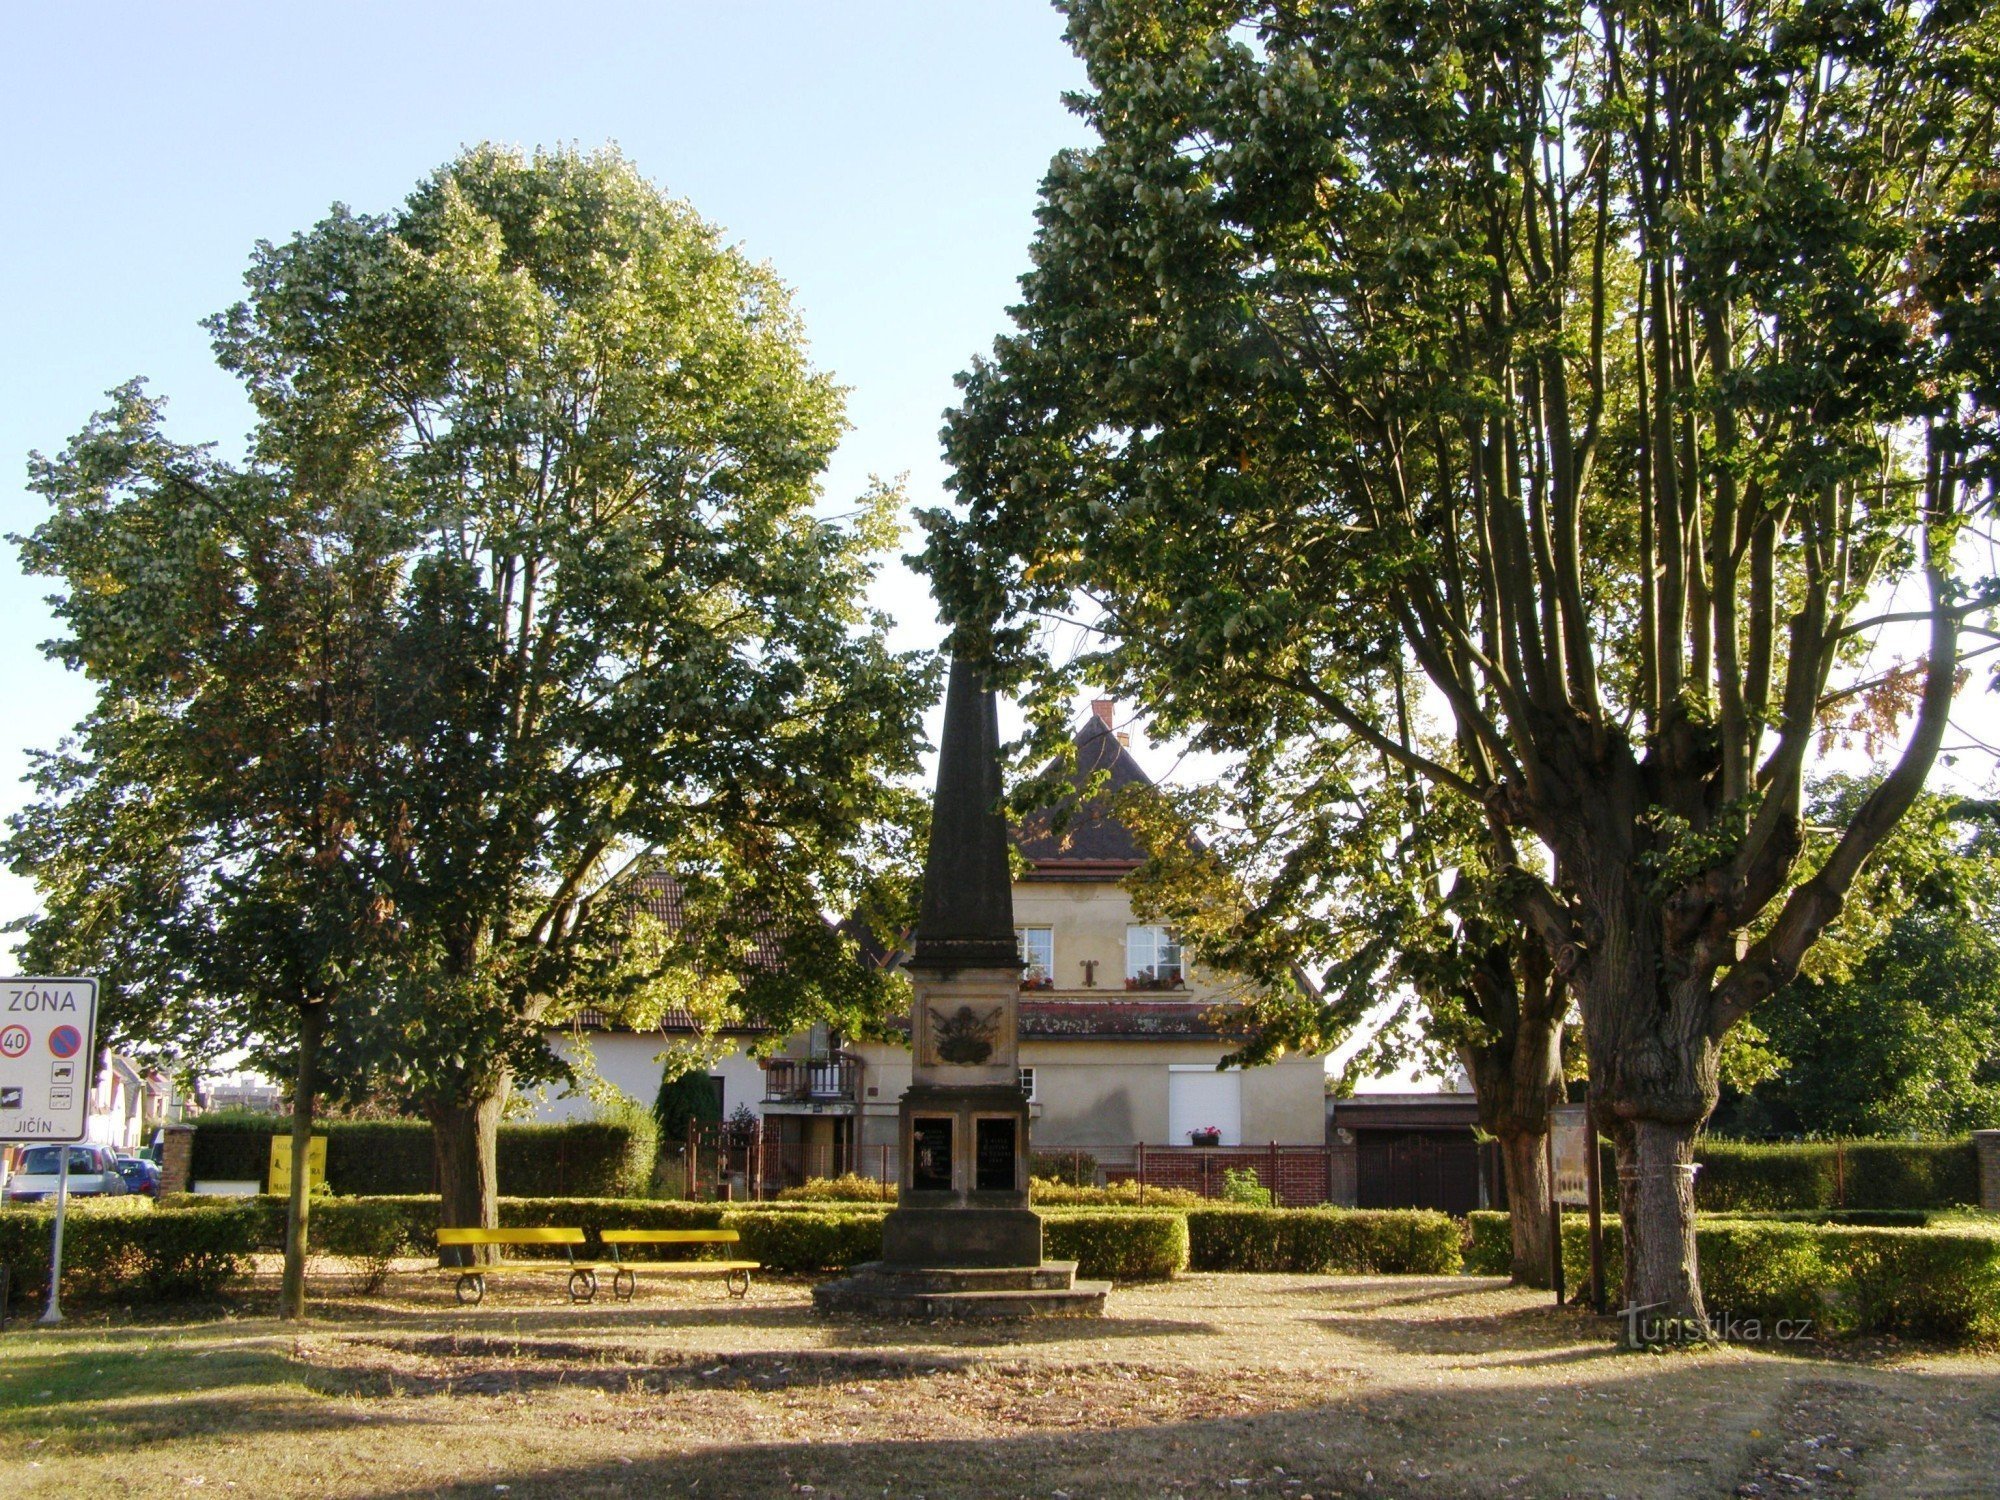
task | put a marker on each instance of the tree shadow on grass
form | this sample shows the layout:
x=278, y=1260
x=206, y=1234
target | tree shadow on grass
x=1414, y=1440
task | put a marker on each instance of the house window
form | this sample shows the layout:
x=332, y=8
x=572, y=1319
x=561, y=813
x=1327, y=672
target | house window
x=1152, y=959
x=1037, y=947
x=1028, y=1083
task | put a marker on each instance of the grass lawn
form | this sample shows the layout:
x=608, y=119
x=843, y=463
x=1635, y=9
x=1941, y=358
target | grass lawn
x=1290, y=1386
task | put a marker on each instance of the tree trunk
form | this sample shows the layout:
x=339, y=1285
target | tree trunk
x=1524, y=1158
x=465, y=1139
x=292, y=1294
x=1657, y=1204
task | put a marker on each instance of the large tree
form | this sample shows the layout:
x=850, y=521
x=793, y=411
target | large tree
x=197, y=842
x=1617, y=367
x=618, y=625
x=626, y=625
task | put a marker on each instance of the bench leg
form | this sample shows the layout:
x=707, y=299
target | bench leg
x=624, y=1284
x=738, y=1283
x=471, y=1289
x=582, y=1286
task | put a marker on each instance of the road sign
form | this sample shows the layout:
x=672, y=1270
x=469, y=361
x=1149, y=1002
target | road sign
x=48, y=1030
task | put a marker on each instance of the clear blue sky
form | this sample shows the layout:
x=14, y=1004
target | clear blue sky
x=884, y=158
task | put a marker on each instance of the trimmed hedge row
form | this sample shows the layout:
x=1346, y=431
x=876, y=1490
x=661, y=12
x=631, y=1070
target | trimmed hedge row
x=1400, y=1241
x=1137, y=1246
x=1941, y=1282
x=121, y=1249
x=1740, y=1175
x=376, y=1158
x=1489, y=1245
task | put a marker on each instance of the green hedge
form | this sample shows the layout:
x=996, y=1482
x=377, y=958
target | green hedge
x=1740, y=1175
x=1489, y=1244
x=1398, y=1241
x=1941, y=1282
x=1136, y=1246
x=374, y=1158
x=127, y=1250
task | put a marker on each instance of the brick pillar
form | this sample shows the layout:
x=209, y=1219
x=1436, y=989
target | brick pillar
x=176, y=1158
x=1987, y=1144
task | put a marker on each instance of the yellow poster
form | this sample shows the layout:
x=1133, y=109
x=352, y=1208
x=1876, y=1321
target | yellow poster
x=281, y=1164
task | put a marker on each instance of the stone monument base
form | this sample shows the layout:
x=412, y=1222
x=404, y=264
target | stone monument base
x=880, y=1289
x=970, y=1238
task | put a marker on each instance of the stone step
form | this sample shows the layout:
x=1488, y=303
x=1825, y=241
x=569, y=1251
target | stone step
x=880, y=1297
x=1050, y=1275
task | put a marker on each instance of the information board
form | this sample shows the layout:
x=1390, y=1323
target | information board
x=1570, y=1125
x=48, y=1038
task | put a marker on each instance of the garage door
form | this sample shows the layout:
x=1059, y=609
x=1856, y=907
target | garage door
x=1199, y=1098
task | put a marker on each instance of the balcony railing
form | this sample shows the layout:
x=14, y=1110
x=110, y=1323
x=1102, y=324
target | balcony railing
x=796, y=1080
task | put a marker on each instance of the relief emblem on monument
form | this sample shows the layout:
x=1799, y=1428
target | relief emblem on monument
x=966, y=1037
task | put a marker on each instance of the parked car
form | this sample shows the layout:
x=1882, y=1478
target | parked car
x=93, y=1172
x=140, y=1174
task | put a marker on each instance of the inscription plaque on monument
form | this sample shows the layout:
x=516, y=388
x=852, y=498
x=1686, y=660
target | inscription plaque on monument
x=930, y=1147
x=993, y=1160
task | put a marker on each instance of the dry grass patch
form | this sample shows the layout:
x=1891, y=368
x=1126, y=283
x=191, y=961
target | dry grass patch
x=1285, y=1386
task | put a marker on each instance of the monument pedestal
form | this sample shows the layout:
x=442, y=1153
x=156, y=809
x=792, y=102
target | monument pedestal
x=880, y=1290
x=962, y=1241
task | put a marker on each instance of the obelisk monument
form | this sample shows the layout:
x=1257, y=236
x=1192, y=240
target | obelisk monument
x=962, y=1240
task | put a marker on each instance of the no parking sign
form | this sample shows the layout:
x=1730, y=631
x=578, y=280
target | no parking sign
x=47, y=1031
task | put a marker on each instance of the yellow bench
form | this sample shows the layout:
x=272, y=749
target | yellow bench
x=471, y=1287
x=625, y=1274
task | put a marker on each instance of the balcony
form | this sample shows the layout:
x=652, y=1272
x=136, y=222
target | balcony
x=811, y=1080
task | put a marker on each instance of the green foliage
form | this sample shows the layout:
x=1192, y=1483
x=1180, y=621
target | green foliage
x=120, y=1251
x=849, y=1187
x=687, y=1097
x=609, y=1158
x=1898, y=1030
x=1137, y=1246
x=1941, y=1282
x=1422, y=392
x=1075, y=1168
x=371, y=1232
x=526, y=574
x=1341, y=1240
x=1127, y=1194
x=1244, y=1186
x=1738, y=1175
x=821, y=1239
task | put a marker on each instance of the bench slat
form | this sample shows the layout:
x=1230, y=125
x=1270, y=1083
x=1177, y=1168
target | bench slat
x=510, y=1237
x=670, y=1236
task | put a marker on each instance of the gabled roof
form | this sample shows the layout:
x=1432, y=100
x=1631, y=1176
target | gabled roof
x=1091, y=844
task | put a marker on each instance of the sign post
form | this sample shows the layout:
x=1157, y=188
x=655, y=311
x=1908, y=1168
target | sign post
x=48, y=1041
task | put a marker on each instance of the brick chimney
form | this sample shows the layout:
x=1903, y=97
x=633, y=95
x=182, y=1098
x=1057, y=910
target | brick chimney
x=1104, y=708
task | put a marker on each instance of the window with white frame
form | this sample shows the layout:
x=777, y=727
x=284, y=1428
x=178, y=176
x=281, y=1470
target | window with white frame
x=1152, y=958
x=1037, y=947
x=1028, y=1083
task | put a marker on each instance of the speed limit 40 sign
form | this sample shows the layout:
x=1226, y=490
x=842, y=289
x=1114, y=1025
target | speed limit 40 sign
x=48, y=1033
